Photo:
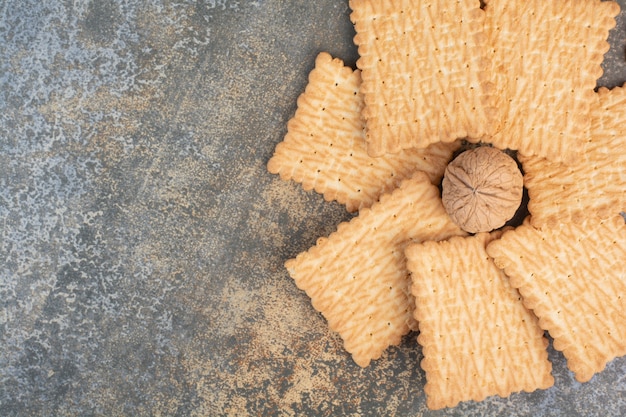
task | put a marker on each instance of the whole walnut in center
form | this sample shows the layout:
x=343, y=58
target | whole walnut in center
x=482, y=189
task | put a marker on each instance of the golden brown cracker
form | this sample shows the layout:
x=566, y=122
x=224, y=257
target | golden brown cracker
x=424, y=72
x=325, y=148
x=478, y=339
x=357, y=277
x=574, y=279
x=595, y=182
x=546, y=57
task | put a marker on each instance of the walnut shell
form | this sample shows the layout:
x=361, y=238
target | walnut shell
x=482, y=189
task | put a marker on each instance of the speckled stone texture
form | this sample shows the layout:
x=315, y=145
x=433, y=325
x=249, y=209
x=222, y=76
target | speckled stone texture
x=142, y=240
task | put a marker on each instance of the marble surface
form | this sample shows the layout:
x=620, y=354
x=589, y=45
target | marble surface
x=142, y=241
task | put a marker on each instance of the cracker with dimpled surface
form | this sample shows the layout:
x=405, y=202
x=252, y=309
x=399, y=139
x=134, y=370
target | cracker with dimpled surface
x=357, y=277
x=574, y=279
x=595, y=182
x=424, y=72
x=546, y=58
x=478, y=339
x=325, y=149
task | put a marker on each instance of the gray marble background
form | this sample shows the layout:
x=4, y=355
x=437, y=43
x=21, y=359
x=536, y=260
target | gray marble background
x=142, y=241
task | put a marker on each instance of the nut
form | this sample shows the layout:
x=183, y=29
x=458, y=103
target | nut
x=482, y=189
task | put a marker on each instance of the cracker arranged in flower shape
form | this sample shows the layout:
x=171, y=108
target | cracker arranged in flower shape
x=594, y=183
x=478, y=338
x=519, y=76
x=357, y=277
x=546, y=58
x=424, y=73
x=573, y=277
x=325, y=147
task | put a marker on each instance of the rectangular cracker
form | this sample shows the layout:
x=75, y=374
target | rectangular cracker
x=424, y=72
x=595, y=182
x=574, y=279
x=546, y=57
x=478, y=339
x=325, y=149
x=357, y=277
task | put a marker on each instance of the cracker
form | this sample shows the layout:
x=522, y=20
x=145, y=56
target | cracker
x=357, y=277
x=325, y=148
x=478, y=339
x=574, y=279
x=595, y=182
x=424, y=72
x=546, y=58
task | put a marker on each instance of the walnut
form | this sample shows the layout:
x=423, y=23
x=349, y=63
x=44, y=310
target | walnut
x=482, y=189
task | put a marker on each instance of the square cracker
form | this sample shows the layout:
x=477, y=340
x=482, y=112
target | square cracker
x=325, y=148
x=357, y=277
x=546, y=57
x=478, y=339
x=595, y=182
x=424, y=72
x=574, y=279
